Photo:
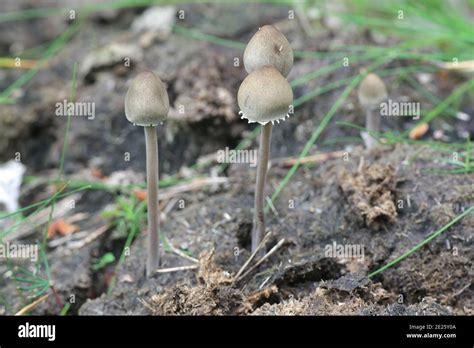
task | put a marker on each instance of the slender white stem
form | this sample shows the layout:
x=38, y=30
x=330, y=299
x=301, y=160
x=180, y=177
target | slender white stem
x=372, y=124
x=153, y=257
x=259, y=213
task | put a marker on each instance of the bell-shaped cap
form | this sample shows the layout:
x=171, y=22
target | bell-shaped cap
x=268, y=47
x=146, y=102
x=371, y=91
x=265, y=96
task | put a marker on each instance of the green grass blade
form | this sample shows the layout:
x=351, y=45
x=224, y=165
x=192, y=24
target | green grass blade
x=424, y=242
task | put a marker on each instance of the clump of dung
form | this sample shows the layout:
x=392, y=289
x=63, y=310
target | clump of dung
x=370, y=194
x=212, y=295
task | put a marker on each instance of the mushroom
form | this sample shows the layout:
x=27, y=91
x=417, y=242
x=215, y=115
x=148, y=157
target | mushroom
x=147, y=105
x=371, y=93
x=264, y=96
x=268, y=47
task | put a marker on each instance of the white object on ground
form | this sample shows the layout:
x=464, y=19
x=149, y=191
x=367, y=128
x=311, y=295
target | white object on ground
x=156, y=19
x=11, y=174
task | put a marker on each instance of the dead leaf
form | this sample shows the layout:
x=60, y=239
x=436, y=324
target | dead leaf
x=97, y=173
x=62, y=228
x=141, y=195
x=419, y=131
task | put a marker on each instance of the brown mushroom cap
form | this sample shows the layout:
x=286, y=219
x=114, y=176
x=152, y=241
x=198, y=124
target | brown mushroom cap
x=265, y=96
x=268, y=47
x=146, y=102
x=371, y=91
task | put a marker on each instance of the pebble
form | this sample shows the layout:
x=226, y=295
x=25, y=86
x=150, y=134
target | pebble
x=158, y=19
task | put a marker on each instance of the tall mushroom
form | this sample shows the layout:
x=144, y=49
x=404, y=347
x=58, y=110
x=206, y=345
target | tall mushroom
x=147, y=105
x=371, y=93
x=264, y=96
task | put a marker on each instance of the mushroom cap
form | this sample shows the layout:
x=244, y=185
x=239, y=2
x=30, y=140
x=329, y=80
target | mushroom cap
x=265, y=96
x=146, y=102
x=268, y=47
x=371, y=91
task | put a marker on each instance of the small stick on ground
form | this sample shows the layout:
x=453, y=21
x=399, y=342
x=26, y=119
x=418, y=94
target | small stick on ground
x=259, y=262
x=169, y=206
x=193, y=185
x=288, y=162
x=89, y=238
x=264, y=282
x=244, y=266
x=180, y=253
x=32, y=305
x=460, y=291
x=177, y=269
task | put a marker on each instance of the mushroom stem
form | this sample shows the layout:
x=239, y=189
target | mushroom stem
x=259, y=214
x=151, y=143
x=372, y=124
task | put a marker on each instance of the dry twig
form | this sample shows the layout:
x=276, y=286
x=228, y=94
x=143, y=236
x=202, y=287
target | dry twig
x=176, y=269
x=32, y=305
x=244, y=266
x=259, y=262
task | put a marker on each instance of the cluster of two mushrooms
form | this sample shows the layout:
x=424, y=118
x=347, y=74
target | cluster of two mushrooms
x=265, y=96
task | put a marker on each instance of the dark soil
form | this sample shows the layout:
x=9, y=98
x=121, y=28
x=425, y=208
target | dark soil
x=301, y=278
